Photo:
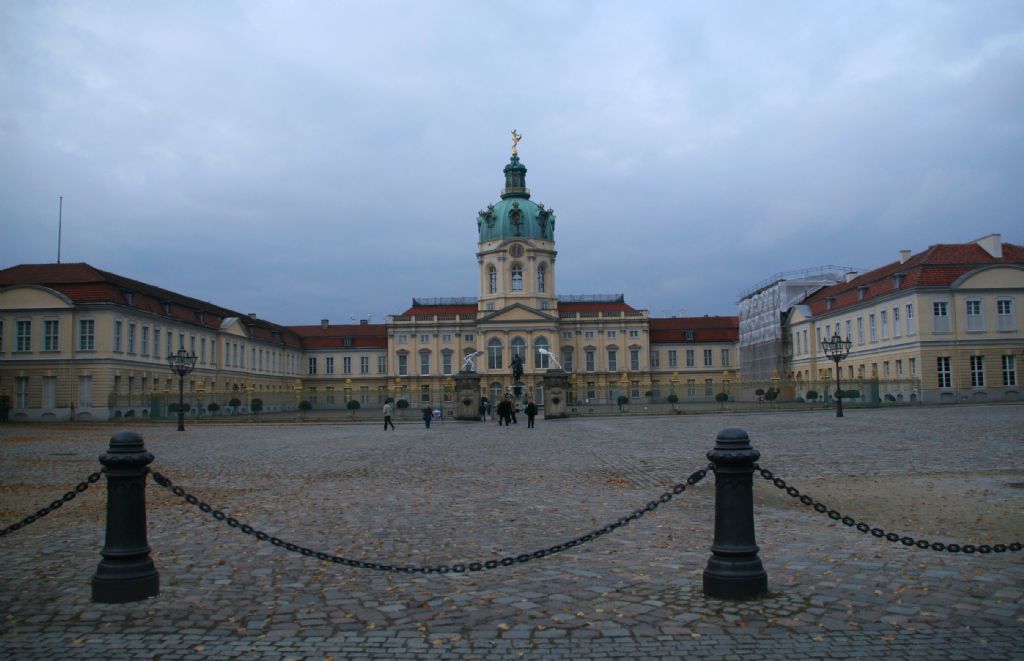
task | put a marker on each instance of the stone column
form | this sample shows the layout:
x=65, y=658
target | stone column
x=467, y=389
x=556, y=394
x=126, y=572
x=734, y=571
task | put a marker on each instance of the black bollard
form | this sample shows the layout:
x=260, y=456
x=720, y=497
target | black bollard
x=126, y=572
x=734, y=571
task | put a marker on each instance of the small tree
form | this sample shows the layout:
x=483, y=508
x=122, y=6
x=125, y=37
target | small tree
x=304, y=405
x=771, y=395
x=812, y=395
x=722, y=398
x=353, y=405
x=672, y=399
x=256, y=405
x=234, y=404
x=759, y=393
x=402, y=404
x=622, y=401
x=213, y=407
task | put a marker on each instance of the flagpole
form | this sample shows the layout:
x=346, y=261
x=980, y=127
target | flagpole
x=60, y=226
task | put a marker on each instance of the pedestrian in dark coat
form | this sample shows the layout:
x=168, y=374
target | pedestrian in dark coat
x=428, y=413
x=531, y=413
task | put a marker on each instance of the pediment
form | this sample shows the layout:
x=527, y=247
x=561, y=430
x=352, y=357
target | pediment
x=233, y=326
x=518, y=313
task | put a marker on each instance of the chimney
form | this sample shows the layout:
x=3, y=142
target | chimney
x=992, y=244
x=904, y=256
x=324, y=323
x=252, y=315
x=850, y=275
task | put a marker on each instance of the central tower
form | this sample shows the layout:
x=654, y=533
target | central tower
x=516, y=249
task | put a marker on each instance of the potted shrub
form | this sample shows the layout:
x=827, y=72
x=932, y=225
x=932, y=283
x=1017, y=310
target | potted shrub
x=672, y=399
x=812, y=395
x=213, y=407
x=353, y=405
x=771, y=395
x=722, y=398
x=759, y=393
x=256, y=405
x=234, y=404
x=401, y=405
x=622, y=401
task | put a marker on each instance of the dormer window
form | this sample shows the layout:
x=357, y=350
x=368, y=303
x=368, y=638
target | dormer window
x=167, y=307
x=129, y=297
x=201, y=316
x=897, y=280
x=829, y=302
x=861, y=291
x=688, y=334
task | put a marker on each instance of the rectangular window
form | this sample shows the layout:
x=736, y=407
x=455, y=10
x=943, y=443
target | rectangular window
x=613, y=360
x=1, y=335
x=849, y=336
x=329, y=365
x=943, y=371
x=899, y=368
x=691, y=358
x=872, y=330
x=691, y=387
x=940, y=312
x=131, y=337
x=181, y=345
x=655, y=359
x=567, y=335
x=21, y=392
x=424, y=338
x=192, y=348
x=145, y=343
x=312, y=365
x=85, y=391
x=913, y=366
x=589, y=335
x=673, y=358
x=467, y=337
x=425, y=394
x=708, y=358
x=118, y=325
x=610, y=334
x=977, y=371
x=911, y=324
x=382, y=364
x=424, y=364
x=709, y=388
x=1009, y=370
x=725, y=358
x=23, y=336
x=975, y=319
x=591, y=390
x=896, y=321
x=567, y=359
x=634, y=359
x=403, y=364
x=884, y=315
x=364, y=364
x=634, y=333
x=1004, y=311
x=86, y=335
x=346, y=364
x=170, y=342
x=49, y=392
x=403, y=339
x=51, y=335
x=202, y=347
x=446, y=337
x=796, y=343
x=860, y=330
x=446, y=363
x=590, y=360
x=885, y=369
x=806, y=347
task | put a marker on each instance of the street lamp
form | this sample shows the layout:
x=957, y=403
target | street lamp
x=837, y=349
x=182, y=363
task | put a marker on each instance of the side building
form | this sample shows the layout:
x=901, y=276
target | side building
x=942, y=325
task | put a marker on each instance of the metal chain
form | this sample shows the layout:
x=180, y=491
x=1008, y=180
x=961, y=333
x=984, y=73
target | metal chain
x=55, y=505
x=906, y=540
x=433, y=569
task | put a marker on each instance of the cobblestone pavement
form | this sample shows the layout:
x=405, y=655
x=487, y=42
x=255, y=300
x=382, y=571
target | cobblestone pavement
x=463, y=492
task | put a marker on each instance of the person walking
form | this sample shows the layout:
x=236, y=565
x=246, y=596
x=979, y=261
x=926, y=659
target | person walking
x=428, y=413
x=483, y=410
x=388, y=410
x=531, y=413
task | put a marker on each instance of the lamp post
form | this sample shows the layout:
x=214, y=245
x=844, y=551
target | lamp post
x=837, y=349
x=181, y=363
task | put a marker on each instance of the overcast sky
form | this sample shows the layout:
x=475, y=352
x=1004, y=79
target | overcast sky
x=306, y=160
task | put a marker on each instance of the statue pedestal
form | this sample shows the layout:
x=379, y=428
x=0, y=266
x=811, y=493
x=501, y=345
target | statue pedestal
x=556, y=391
x=467, y=396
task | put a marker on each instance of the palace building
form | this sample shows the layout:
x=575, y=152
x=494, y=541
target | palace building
x=81, y=343
x=78, y=342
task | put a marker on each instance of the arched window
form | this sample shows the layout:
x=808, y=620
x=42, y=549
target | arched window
x=518, y=349
x=542, y=272
x=492, y=280
x=517, y=277
x=494, y=348
x=540, y=360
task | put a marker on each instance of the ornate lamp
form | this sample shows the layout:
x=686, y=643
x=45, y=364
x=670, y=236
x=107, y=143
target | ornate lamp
x=837, y=349
x=181, y=363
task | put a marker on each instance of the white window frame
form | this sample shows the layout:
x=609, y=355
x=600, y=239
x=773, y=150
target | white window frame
x=975, y=312
x=51, y=341
x=940, y=317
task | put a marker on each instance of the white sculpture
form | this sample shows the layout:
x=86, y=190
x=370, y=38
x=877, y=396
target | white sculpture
x=553, y=357
x=468, y=364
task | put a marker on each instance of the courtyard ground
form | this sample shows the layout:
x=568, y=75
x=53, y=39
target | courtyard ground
x=462, y=492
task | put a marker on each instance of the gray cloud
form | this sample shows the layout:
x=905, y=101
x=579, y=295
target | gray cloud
x=327, y=159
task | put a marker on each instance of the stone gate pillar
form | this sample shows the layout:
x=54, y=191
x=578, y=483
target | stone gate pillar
x=467, y=396
x=556, y=394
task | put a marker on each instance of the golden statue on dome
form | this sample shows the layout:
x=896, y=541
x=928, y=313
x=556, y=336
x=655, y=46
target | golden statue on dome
x=516, y=137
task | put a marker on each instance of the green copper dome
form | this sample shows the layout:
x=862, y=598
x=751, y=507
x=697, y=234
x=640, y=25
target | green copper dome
x=516, y=215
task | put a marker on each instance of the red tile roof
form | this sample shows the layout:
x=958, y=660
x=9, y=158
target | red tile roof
x=595, y=307
x=439, y=309
x=705, y=329
x=938, y=266
x=343, y=336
